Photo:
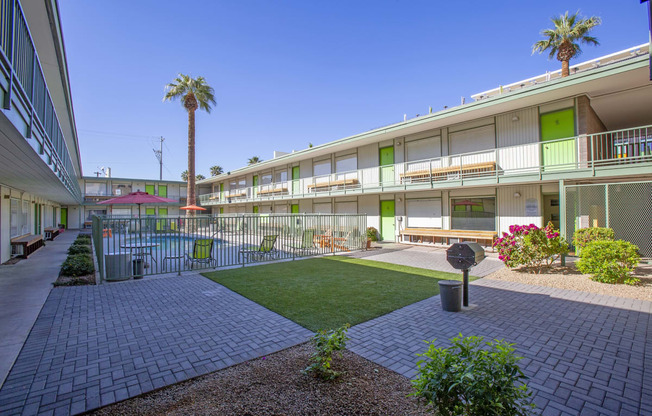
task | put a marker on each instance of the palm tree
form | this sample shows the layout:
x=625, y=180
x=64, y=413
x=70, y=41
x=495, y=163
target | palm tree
x=200, y=177
x=194, y=94
x=216, y=170
x=184, y=176
x=254, y=160
x=565, y=38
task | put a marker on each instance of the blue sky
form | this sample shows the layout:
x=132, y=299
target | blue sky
x=288, y=73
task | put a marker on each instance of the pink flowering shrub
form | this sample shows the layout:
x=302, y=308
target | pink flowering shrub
x=530, y=246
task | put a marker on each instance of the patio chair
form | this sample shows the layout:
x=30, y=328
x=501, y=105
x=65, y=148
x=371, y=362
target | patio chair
x=267, y=249
x=202, y=253
x=307, y=242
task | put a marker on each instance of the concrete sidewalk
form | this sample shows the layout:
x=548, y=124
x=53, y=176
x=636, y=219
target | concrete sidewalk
x=24, y=288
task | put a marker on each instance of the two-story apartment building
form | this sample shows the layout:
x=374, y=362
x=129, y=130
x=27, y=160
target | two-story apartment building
x=98, y=189
x=517, y=154
x=39, y=152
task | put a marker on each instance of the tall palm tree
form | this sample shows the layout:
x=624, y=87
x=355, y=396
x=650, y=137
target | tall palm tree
x=216, y=170
x=254, y=160
x=200, y=177
x=184, y=175
x=193, y=93
x=565, y=38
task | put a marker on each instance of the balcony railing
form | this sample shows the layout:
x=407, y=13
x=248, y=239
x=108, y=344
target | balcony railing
x=27, y=90
x=582, y=154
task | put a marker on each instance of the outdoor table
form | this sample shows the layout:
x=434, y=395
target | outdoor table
x=141, y=250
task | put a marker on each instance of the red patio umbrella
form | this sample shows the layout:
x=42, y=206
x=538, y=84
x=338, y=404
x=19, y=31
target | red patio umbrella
x=137, y=198
x=192, y=208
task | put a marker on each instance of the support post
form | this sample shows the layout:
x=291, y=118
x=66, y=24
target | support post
x=465, y=295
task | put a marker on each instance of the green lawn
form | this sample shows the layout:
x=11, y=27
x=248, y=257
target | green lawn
x=329, y=292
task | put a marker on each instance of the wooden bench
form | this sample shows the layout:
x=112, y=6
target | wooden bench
x=51, y=233
x=438, y=173
x=238, y=195
x=327, y=186
x=273, y=191
x=421, y=234
x=28, y=243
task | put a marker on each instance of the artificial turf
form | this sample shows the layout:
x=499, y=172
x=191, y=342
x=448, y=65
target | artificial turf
x=325, y=293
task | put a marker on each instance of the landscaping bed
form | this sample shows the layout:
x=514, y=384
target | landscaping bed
x=275, y=385
x=78, y=268
x=570, y=278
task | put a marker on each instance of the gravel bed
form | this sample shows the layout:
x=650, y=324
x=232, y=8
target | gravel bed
x=569, y=278
x=274, y=385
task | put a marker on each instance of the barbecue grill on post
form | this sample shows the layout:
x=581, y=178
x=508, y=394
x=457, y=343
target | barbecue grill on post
x=463, y=256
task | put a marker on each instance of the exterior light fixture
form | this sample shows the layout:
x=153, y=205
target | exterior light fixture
x=517, y=194
x=515, y=118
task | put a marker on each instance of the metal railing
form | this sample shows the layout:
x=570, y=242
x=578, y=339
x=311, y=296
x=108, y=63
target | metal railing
x=127, y=247
x=582, y=153
x=27, y=87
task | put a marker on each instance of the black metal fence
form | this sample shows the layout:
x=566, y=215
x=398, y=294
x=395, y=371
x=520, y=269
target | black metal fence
x=136, y=247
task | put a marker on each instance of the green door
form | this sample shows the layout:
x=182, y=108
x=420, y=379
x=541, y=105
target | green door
x=387, y=165
x=221, y=193
x=162, y=212
x=150, y=211
x=255, y=210
x=296, y=185
x=163, y=191
x=221, y=210
x=37, y=219
x=64, y=217
x=150, y=189
x=387, y=220
x=558, y=155
x=255, y=184
x=295, y=208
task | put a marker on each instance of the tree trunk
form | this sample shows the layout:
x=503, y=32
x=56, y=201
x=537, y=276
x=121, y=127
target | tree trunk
x=565, y=68
x=191, y=158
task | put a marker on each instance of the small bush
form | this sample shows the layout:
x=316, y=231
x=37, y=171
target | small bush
x=372, y=234
x=325, y=343
x=77, y=265
x=584, y=236
x=79, y=249
x=531, y=246
x=86, y=237
x=81, y=242
x=609, y=261
x=472, y=377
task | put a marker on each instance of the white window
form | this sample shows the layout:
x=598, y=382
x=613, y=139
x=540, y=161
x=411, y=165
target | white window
x=95, y=189
x=424, y=213
x=281, y=175
x=428, y=148
x=24, y=226
x=14, y=218
x=473, y=140
x=266, y=178
x=123, y=212
x=346, y=207
x=321, y=168
x=324, y=208
x=346, y=163
x=281, y=209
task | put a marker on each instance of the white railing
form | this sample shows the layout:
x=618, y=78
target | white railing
x=582, y=153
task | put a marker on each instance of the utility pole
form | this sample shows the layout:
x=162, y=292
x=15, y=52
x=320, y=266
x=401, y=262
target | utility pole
x=159, y=156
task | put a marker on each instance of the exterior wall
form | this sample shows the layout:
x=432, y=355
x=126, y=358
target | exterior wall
x=525, y=209
x=370, y=205
x=588, y=121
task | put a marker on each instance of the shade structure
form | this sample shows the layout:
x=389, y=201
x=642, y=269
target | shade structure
x=192, y=208
x=137, y=198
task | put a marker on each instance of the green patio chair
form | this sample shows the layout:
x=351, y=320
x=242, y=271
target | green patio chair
x=307, y=242
x=202, y=253
x=267, y=250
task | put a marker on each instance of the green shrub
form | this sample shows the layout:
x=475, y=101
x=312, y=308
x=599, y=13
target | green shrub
x=325, y=343
x=584, y=236
x=372, y=234
x=609, y=261
x=77, y=265
x=472, y=377
x=79, y=249
x=531, y=246
x=86, y=237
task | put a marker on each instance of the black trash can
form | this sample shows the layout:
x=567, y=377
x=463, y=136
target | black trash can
x=139, y=268
x=450, y=293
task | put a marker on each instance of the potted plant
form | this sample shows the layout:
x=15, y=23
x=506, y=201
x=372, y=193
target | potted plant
x=372, y=235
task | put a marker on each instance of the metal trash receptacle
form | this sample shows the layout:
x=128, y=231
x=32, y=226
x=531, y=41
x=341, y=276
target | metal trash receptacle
x=450, y=293
x=117, y=266
x=139, y=268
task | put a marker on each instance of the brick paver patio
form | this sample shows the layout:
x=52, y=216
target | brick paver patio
x=585, y=353
x=95, y=345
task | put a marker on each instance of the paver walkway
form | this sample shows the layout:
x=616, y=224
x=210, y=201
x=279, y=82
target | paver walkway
x=585, y=353
x=24, y=288
x=95, y=345
x=433, y=258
